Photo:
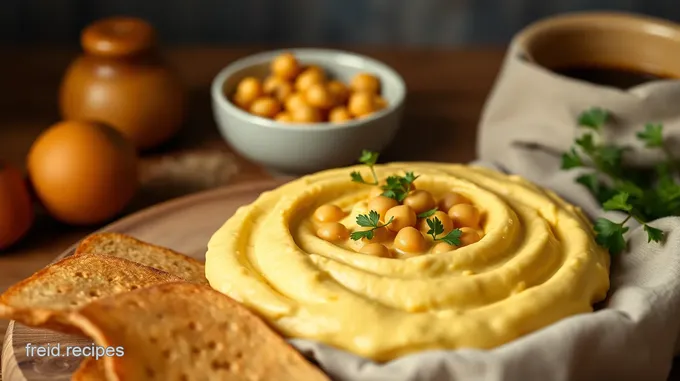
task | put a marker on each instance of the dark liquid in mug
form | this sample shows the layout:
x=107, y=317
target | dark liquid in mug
x=622, y=78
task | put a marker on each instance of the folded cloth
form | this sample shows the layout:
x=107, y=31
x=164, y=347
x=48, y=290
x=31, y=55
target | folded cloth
x=529, y=120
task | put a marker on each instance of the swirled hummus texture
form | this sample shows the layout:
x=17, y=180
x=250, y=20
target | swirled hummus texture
x=536, y=263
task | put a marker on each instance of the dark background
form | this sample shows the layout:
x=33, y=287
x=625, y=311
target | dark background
x=305, y=22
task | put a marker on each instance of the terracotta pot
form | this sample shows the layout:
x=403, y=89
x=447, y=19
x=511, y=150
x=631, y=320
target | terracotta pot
x=122, y=81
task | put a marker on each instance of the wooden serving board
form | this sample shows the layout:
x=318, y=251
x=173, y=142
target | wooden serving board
x=185, y=225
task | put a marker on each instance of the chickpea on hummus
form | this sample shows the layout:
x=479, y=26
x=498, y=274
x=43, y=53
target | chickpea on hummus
x=462, y=256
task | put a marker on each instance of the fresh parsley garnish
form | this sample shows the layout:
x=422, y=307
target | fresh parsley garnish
x=437, y=228
x=368, y=158
x=428, y=213
x=641, y=195
x=370, y=220
x=397, y=187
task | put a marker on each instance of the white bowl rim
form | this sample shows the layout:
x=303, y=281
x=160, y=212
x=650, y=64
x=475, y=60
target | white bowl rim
x=257, y=58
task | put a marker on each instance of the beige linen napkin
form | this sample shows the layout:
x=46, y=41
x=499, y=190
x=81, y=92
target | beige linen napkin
x=529, y=120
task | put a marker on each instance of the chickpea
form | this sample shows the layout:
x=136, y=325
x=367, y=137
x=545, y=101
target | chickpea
x=376, y=250
x=380, y=102
x=339, y=114
x=332, y=232
x=361, y=104
x=382, y=204
x=243, y=101
x=285, y=66
x=365, y=82
x=410, y=240
x=450, y=199
x=468, y=236
x=328, y=213
x=420, y=201
x=442, y=247
x=277, y=88
x=317, y=95
x=308, y=77
x=283, y=117
x=306, y=114
x=443, y=217
x=266, y=107
x=464, y=215
x=295, y=101
x=402, y=216
x=247, y=91
x=339, y=91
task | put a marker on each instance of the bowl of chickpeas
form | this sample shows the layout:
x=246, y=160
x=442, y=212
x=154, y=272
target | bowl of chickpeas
x=300, y=111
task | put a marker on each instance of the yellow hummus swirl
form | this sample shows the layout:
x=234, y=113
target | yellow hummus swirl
x=536, y=263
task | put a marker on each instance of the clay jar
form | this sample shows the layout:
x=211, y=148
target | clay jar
x=122, y=81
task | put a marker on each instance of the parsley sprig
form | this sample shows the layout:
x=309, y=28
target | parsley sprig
x=370, y=220
x=396, y=187
x=642, y=195
x=369, y=158
x=437, y=228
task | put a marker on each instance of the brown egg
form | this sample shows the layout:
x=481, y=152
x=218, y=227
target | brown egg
x=365, y=82
x=285, y=66
x=339, y=91
x=306, y=114
x=361, y=104
x=266, y=107
x=16, y=209
x=339, y=114
x=310, y=76
x=84, y=173
x=317, y=95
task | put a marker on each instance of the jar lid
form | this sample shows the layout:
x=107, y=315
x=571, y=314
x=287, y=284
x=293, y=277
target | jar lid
x=118, y=37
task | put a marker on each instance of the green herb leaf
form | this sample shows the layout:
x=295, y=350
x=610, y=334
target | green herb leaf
x=427, y=213
x=586, y=142
x=590, y=181
x=356, y=177
x=368, y=157
x=571, y=159
x=369, y=220
x=593, y=118
x=436, y=227
x=410, y=177
x=610, y=235
x=618, y=202
x=453, y=238
x=654, y=234
x=610, y=157
x=652, y=135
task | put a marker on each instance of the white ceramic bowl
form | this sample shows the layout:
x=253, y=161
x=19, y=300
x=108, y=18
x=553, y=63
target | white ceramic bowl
x=303, y=148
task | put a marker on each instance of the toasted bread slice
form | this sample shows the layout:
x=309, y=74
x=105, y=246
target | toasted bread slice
x=185, y=331
x=90, y=370
x=45, y=298
x=124, y=246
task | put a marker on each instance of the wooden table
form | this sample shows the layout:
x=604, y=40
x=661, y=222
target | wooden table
x=446, y=92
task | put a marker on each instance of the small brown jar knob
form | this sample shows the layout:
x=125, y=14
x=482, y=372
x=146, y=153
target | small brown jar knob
x=118, y=37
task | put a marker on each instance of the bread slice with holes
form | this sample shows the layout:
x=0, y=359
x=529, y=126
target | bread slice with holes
x=185, y=331
x=127, y=247
x=45, y=298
